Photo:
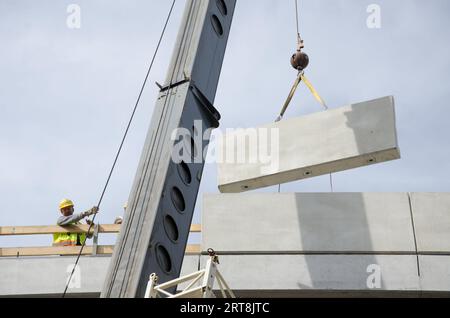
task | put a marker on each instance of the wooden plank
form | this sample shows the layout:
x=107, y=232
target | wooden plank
x=50, y=229
x=53, y=250
x=70, y=250
x=193, y=249
x=196, y=228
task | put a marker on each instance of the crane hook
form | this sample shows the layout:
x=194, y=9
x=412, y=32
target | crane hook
x=300, y=60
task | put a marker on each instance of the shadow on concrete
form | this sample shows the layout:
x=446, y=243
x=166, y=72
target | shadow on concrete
x=335, y=238
x=337, y=225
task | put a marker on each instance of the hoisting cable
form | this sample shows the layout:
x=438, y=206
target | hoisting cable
x=123, y=140
x=297, y=21
x=300, y=61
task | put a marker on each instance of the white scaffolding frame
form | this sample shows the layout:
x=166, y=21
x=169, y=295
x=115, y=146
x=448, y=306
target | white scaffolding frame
x=200, y=283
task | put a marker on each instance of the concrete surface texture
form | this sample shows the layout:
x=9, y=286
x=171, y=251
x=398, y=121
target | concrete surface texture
x=47, y=276
x=435, y=272
x=308, y=222
x=252, y=275
x=338, y=244
x=336, y=140
x=431, y=213
x=319, y=272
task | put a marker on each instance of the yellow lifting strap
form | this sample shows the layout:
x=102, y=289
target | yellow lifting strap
x=301, y=77
x=313, y=91
x=290, y=96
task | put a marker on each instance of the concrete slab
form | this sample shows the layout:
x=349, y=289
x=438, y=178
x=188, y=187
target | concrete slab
x=431, y=213
x=47, y=276
x=307, y=222
x=365, y=273
x=336, y=140
x=270, y=275
x=435, y=272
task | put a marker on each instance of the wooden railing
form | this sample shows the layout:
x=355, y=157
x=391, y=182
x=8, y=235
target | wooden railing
x=94, y=249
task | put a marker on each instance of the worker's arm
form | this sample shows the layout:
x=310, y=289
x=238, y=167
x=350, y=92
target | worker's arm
x=74, y=218
x=67, y=220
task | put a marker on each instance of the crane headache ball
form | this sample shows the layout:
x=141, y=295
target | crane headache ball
x=299, y=61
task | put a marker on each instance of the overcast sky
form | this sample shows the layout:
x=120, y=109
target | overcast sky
x=66, y=94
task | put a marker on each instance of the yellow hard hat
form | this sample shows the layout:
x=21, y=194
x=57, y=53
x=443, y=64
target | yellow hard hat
x=65, y=203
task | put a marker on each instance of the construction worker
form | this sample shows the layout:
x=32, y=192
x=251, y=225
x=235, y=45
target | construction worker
x=66, y=207
x=119, y=219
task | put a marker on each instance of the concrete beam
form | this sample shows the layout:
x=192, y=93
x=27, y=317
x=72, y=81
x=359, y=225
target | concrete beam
x=435, y=272
x=47, y=276
x=307, y=223
x=431, y=212
x=270, y=275
x=295, y=274
x=340, y=139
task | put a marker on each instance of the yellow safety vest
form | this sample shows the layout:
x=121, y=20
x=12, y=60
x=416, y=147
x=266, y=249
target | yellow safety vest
x=68, y=239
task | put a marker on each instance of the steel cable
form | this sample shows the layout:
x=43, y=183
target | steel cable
x=123, y=140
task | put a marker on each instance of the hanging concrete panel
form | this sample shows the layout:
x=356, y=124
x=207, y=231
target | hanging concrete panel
x=431, y=212
x=307, y=223
x=340, y=139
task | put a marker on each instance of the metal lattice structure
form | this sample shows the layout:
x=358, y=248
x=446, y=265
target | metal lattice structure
x=200, y=284
x=162, y=201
